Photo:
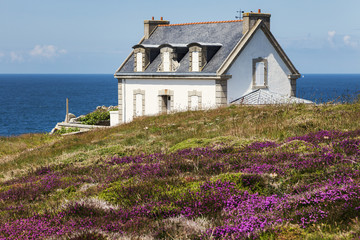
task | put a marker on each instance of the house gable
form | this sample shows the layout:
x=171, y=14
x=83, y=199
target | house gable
x=245, y=40
x=256, y=48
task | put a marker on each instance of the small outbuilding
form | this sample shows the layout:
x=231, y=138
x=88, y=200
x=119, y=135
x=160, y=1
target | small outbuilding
x=189, y=66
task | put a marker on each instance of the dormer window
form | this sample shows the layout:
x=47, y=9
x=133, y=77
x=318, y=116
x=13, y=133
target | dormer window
x=200, y=54
x=169, y=61
x=141, y=58
x=197, y=55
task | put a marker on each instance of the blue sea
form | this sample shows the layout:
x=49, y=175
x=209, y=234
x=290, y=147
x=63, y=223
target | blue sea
x=33, y=103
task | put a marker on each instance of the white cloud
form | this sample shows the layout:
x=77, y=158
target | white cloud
x=16, y=57
x=47, y=51
x=331, y=35
x=349, y=42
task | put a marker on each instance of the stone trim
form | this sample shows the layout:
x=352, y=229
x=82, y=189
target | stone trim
x=202, y=56
x=195, y=93
x=142, y=93
x=161, y=95
x=145, y=58
x=120, y=101
x=254, y=61
x=250, y=19
x=293, y=87
x=174, y=64
x=221, y=92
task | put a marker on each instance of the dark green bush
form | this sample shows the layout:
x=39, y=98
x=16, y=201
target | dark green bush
x=96, y=117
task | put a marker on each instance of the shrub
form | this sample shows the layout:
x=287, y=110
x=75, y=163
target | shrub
x=95, y=117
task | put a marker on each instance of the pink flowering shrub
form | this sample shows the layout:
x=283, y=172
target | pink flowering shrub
x=242, y=192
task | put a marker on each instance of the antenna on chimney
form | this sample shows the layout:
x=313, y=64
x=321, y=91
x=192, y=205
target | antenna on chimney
x=240, y=14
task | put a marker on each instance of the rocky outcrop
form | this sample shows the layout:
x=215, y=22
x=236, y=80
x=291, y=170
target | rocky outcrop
x=77, y=119
x=71, y=116
x=109, y=108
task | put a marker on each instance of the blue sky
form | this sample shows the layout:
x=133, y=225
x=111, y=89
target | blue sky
x=93, y=36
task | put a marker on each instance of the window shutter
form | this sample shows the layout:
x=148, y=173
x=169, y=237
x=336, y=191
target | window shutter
x=195, y=62
x=194, y=102
x=139, y=62
x=166, y=62
x=260, y=74
x=139, y=104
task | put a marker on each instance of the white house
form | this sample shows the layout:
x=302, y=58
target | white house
x=176, y=67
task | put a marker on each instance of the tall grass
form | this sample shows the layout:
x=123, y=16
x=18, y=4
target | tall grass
x=160, y=133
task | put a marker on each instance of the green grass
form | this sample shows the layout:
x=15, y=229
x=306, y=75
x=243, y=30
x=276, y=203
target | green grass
x=234, y=125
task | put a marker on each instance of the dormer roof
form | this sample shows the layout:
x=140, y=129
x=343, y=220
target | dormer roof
x=203, y=44
x=222, y=34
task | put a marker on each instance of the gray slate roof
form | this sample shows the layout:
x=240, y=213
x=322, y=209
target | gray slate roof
x=263, y=96
x=228, y=34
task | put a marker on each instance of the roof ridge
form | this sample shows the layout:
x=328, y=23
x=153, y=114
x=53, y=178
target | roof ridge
x=181, y=24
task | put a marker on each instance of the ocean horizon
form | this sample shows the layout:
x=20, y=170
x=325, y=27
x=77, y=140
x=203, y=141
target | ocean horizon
x=34, y=103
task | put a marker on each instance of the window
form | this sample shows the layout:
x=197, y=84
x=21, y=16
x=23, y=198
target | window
x=139, y=62
x=260, y=70
x=166, y=100
x=195, y=62
x=141, y=58
x=194, y=100
x=166, y=106
x=138, y=104
x=194, y=103
x=260, y=76
x=166, y=62
x=169, y=58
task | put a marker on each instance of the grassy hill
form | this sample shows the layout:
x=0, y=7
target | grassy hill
x=263, y=172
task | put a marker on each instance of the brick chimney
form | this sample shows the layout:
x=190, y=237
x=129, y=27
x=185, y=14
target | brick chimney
x=249, y=20
x=150, y=25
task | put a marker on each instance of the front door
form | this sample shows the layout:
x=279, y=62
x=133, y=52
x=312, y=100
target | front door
x=166, y=103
